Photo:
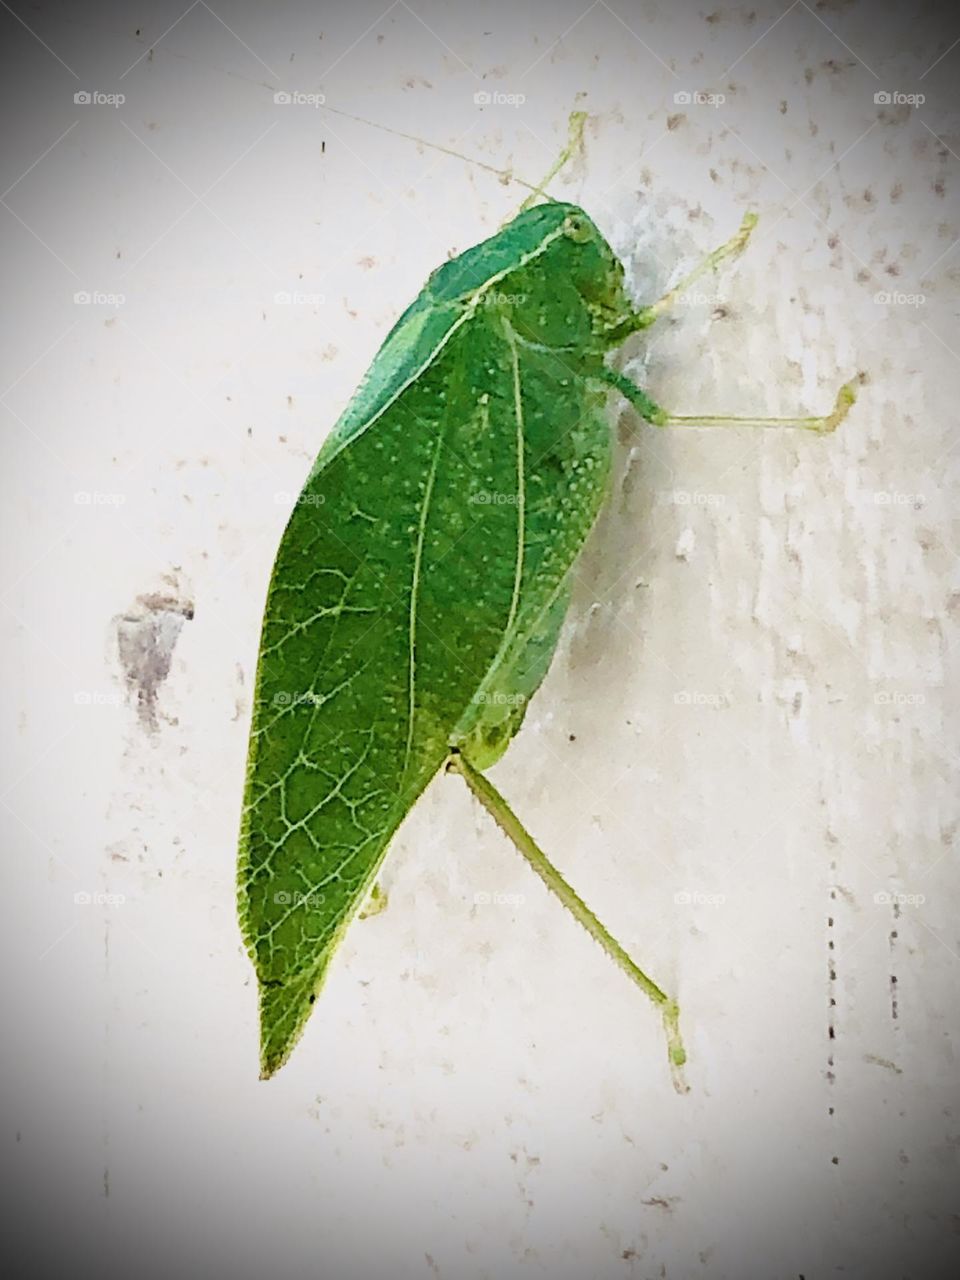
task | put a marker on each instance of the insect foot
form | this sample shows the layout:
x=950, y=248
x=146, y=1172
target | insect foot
x=846, y=399
x=514, y=830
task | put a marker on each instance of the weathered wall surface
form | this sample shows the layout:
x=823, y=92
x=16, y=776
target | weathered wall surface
x=744, y=756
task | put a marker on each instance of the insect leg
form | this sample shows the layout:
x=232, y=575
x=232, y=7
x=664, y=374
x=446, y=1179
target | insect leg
x=732, y=249
x=644, y=317
x=646, y=407
x=659, y=417
x=510, y=825
x=376, y=902
x=574, y=144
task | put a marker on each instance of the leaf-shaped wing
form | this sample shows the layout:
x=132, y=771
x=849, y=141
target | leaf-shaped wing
x=423, y=570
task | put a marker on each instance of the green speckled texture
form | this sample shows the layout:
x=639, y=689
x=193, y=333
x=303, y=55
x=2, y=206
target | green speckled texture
x=421, y=582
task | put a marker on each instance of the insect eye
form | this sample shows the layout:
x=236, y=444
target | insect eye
x=576, y=228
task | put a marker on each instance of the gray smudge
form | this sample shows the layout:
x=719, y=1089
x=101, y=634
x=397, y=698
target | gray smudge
x=146, y=637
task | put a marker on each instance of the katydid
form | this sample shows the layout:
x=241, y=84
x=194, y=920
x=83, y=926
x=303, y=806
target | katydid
x=421, y=583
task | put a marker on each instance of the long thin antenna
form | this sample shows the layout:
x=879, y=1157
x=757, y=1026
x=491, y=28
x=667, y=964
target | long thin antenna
x=505, y=175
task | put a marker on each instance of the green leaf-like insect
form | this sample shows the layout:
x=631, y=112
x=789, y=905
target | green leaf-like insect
x=422, y=580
